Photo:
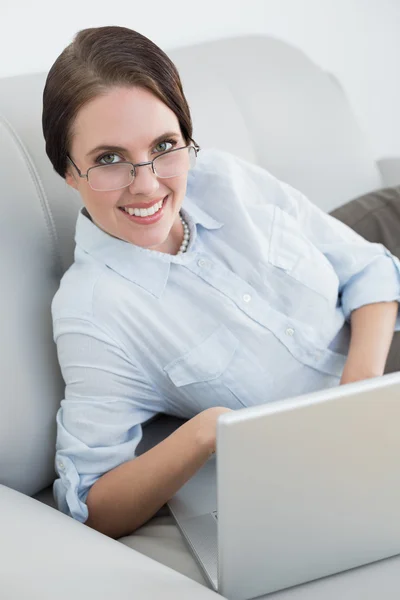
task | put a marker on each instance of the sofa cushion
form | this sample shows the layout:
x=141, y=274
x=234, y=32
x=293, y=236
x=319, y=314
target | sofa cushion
x=375, y=216
x=47, y=555
x=159, y=539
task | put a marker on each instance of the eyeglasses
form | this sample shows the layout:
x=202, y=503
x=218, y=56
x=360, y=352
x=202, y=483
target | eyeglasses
x=172, y=163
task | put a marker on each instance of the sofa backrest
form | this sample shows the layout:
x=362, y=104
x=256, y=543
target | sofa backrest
x=256, y=97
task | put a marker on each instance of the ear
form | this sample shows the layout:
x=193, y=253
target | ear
x=71, y=179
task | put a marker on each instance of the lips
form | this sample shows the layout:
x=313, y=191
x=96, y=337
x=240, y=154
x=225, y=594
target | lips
x=147, y=216
x=145, y=211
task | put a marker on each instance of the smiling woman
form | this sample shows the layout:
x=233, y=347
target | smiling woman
x=114, y=179
x=201, y=283
x=118, y=129
x=108, y=109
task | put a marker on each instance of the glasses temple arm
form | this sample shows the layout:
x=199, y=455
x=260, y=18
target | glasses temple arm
x=79, y=172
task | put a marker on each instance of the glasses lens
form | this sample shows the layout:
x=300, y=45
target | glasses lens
x=106, y=178
x=175, y=163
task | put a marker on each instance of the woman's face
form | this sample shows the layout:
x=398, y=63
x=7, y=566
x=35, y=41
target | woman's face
x=130, y=124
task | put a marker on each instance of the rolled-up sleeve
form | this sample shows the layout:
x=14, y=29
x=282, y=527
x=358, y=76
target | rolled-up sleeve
x=367, y=272
x=107, y=399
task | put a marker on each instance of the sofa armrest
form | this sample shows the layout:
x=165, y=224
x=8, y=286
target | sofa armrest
x=47, y=555
x=390, y=170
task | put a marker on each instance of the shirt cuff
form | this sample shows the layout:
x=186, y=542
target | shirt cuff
x=70, y=492
x=379, y=282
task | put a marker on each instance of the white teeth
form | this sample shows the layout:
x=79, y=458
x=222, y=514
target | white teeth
x=145, y=212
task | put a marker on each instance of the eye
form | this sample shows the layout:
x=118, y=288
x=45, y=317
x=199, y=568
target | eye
x=108, y=159
x=165, y=146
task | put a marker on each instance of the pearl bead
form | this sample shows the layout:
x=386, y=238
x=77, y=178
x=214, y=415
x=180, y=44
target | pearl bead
x=186, y=237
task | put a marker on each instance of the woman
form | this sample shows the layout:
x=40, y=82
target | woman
x=194, y=290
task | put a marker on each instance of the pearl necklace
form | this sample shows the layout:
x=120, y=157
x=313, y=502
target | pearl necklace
x=186, y=236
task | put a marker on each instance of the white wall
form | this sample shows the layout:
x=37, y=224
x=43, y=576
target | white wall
x=357, y=40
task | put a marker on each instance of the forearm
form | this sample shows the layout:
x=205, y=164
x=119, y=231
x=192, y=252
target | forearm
x=126, y=497
x=372, y=328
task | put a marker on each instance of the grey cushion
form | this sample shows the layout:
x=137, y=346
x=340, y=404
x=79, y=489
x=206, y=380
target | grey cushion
x=376, y=216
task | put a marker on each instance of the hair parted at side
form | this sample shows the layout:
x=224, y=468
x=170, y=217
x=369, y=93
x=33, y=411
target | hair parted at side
x=97, y=59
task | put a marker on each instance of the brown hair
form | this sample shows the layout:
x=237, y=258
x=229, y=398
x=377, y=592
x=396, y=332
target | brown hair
x=97, y=59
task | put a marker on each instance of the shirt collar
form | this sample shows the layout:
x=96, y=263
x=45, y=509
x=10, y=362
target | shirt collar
x=147, y=268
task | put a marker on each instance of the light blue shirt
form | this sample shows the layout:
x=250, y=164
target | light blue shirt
x=256, y=310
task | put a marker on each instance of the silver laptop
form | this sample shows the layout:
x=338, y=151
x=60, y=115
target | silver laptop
x=299, y=489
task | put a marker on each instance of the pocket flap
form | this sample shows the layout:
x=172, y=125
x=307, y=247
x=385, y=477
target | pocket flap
x=205, y=362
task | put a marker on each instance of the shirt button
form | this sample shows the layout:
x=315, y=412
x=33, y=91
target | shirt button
x=289, y=331
x=247, y=297
x=202, y=262
x=61, y=466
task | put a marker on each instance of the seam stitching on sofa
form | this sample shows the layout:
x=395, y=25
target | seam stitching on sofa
x=35, y=178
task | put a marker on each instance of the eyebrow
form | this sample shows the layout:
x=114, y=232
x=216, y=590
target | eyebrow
x=111, y=148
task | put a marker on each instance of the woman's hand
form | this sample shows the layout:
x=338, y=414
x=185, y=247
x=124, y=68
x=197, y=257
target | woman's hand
x=207, y=426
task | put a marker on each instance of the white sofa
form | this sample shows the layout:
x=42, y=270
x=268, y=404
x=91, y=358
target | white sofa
x=256, y=97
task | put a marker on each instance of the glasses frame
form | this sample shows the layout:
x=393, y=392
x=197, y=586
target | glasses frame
x=134, y=166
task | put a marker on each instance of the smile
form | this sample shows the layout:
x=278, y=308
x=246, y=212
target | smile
x=145, y=215
x=144, y=212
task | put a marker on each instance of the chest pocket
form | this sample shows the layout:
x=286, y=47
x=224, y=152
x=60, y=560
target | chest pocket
x=292, y=252
x=219, y=372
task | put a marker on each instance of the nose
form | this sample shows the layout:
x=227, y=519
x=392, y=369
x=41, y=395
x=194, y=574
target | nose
x=145, y=182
